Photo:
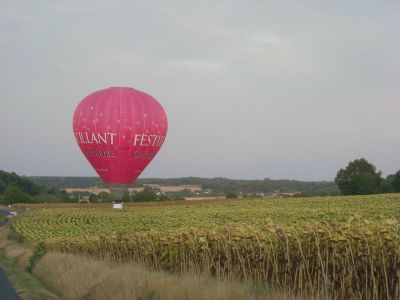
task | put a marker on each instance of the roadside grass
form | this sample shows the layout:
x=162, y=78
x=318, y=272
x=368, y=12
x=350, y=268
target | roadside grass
x=14, y=258
x=27, y=286
x=82, y=277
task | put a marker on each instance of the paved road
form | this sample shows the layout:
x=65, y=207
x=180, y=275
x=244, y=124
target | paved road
x=7, y=291
x=5, y=213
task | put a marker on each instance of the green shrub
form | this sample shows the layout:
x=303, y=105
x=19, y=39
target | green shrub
x=38, y=253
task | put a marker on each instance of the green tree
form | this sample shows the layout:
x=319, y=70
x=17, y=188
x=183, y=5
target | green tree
x=394, y=181
x=231, y=195
x=359, y=178
x=14, y=194
x=63, y=195
x=385, y=187
x=93, y=198
x=27, y=186
x=46, y=198
x=146, y=195
x=126, y=197
x=104, y=197
x=2, y=186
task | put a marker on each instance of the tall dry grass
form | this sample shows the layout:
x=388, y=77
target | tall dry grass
x=14, y=251
x=79, y=277
x=72, y=276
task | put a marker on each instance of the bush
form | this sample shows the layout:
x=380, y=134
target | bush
x=93, y=198
x=231, y=195
x=146, y=195
x=46, y=198
x=14, y=194
x=38, y=253
x=126, y=197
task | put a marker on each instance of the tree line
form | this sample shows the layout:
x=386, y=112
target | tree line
x=19, y=189
x=148, y=194
x=361, y=177
x=219, y=186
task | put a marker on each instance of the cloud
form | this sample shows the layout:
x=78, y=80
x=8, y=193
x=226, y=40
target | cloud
x=268, y=39
x=215, y=46
x=268, y=52
x=196, y=65
x=13, y=16
x=125, y=57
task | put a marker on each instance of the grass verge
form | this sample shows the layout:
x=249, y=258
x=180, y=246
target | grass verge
x=14, y=258
x=81, y=277
x=27, y=286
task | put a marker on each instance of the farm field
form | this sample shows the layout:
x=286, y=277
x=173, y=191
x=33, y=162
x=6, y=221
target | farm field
x=337, y=246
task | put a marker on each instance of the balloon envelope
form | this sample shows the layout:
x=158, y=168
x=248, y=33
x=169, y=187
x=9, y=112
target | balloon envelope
x=119, y=130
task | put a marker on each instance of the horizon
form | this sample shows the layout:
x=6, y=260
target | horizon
x=162, y=178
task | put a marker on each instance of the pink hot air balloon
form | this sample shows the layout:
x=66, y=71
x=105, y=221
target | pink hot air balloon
x=119, y=130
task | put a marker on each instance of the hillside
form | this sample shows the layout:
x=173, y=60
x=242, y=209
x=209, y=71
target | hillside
x=23, y=183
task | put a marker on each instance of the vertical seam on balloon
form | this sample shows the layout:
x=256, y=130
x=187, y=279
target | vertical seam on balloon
x=124, y=168
x=108, y=125
x=96, y=119
x=154, y=133
x=148, y=108
x=118, y=158
x=143, y=125
x=88, y=102
x=153, y=122
x=121, y=168
x=97, y=110
x=130, y=138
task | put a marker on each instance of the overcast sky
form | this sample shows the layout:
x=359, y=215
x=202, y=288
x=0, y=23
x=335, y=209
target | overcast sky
x=252, y=89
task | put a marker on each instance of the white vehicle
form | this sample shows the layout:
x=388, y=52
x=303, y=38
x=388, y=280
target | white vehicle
x=10, y=215
x=117, y=204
